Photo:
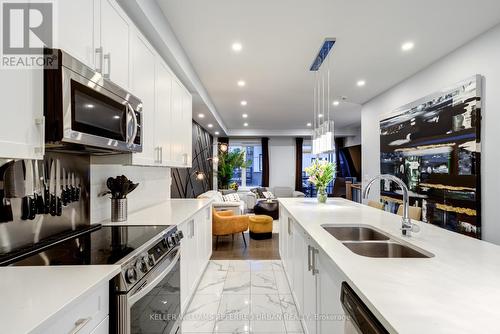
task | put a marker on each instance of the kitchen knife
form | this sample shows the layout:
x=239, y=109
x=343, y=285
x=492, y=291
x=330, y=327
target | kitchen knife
x=58, y=188
x=78, y=188
x=40, y=206
x=52, y=189
x=64, y=191
x=46, y=185
x=28, y=206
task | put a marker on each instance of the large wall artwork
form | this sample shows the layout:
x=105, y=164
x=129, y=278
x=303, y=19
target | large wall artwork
x=433, y=144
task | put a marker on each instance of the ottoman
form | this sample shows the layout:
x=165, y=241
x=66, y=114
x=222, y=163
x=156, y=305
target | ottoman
x=261, y=227
x=268, y=208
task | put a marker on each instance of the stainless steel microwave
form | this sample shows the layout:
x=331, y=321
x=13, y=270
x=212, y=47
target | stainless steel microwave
x=85, y=111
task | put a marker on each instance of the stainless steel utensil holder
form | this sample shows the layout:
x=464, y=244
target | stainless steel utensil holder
x=118, y=209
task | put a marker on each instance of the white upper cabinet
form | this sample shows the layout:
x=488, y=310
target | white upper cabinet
x=142, y=72
x=115, y=29
x=77, y=30
x=163, y=120
x=22, y=127
x=187, y=116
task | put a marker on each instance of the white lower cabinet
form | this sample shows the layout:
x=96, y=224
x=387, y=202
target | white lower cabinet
x=194, y=253
x=314, y=279
x=87, y=316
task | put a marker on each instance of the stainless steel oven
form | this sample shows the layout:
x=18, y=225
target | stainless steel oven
x=147, y=292
x=85, y=111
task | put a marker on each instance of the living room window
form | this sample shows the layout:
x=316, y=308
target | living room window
x=252, y=175
x=307, y=160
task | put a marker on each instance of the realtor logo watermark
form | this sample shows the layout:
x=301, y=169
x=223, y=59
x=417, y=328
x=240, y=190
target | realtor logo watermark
x=27, y=29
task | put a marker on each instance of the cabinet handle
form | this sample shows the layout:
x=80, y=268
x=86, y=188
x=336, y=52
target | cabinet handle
x=289, y=226
x=107, y=57
x=314, y=252
x=40, y=122
x=185, y=158
x=157, y=155
x=98, y=56
x=161, y=154
x=309, y=262
x=79, y=324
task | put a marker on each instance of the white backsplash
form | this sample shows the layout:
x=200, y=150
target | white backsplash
x=154, y=187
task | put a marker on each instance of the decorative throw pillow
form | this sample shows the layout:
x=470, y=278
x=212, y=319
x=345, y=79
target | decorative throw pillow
x=231, y=198
x=268, y=195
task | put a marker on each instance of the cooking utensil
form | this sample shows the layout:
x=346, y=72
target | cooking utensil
x=52, y=189
x=40, y=206
x=5, y=205
x=28, y=204
x=46, y=185
x=58, y=188
x=64, y=192
x=78, y=189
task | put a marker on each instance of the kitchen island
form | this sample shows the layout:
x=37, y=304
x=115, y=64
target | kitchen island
x=456, y=290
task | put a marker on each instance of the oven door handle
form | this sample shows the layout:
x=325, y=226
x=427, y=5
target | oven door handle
x=151, y=285
x=136, y=124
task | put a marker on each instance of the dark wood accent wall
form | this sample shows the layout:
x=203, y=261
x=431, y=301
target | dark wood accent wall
x=184, y=182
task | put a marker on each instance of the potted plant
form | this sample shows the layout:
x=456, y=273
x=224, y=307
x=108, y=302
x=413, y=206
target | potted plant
x=228, y=162
x=321, y=174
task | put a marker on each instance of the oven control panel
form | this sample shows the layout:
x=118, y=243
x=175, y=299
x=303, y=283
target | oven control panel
x=137, y=267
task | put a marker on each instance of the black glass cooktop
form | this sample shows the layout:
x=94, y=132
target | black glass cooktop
x=96, y=245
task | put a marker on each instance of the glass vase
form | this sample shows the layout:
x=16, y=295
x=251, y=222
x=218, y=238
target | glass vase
x=322, y=196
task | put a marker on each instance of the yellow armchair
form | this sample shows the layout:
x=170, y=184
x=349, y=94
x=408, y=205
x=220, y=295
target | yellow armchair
x=226, y=223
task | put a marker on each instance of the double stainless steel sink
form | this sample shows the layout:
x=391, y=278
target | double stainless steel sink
x=367, y=241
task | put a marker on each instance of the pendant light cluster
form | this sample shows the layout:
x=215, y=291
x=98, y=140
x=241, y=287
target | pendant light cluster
x=323, y=126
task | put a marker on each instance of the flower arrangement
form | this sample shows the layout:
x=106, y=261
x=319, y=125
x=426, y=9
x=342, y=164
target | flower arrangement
x=234, y=186
x=321, y=173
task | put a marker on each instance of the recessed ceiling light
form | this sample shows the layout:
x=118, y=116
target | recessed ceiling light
x=309, y=124
x=216, y=133
x=201, y=115
x=116, y=117
x=241, y=83
x=336, y=103
x=243, y=103
x=237, y=47
x=361, y=83
x=245, y=124
x=244, y=115
x=407, y=46
x=320, y=115
x=210, y=125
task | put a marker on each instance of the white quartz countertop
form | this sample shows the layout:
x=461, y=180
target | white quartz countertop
x=31, y=296
x=455, y=291
x=169, y=212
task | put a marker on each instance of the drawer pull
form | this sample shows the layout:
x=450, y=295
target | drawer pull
x=79, y=324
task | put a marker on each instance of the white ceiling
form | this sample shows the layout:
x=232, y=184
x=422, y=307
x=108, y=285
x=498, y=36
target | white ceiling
x=281, y=37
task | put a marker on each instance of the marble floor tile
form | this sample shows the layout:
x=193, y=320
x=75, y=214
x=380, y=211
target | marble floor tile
x=263, y=282
x=265, y=306
x=261, y=265
x=212, y=282
x=197, y=326
x=203, y=308
x=237, y=282
x=267, y=326
x=235, y=327
x=218, y=265
x=239, y=265
x=234, y=307
x=282, y=283
x=277, y=265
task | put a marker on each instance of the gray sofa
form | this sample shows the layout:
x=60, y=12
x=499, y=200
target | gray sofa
x=283, y=192
x=218, y=203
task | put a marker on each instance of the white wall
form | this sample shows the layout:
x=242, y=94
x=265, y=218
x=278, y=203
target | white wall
x=282, y=162
x=154, y=187
x=480, y=56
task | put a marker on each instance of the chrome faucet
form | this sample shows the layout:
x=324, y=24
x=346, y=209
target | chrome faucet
x=406, y=225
